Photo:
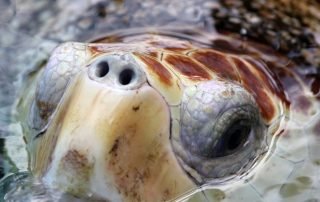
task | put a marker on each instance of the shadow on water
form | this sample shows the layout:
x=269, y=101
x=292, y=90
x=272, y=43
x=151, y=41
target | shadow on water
x=2, y=170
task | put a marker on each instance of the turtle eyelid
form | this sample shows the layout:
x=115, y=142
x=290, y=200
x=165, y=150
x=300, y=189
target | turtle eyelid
x=64, y=63
x=40, y=133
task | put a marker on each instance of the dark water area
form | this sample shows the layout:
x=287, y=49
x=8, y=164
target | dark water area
x=2, y=171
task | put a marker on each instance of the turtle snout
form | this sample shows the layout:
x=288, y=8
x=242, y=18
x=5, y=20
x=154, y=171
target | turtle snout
x=120, y=71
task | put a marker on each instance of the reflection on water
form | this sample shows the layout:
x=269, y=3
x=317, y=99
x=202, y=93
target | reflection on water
x=291, y=171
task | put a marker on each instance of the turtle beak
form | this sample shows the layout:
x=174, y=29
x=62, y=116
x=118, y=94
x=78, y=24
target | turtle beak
x=110, y=142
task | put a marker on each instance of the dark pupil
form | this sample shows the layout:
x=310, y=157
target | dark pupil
x=236, y=137
x=232, y=140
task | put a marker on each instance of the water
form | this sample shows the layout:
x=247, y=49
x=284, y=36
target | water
x=290, y=172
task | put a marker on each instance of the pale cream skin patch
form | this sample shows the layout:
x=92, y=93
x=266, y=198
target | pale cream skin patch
x=111, y=143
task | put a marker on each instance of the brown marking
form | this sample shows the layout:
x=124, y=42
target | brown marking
x=188, y=67
x=108, y=39
x=75, y=159
x=136, y=108
x=133, y=175
x=269, y=79
x=114, y=147
x=76, y=168
x=45, y=109
x=256, y=87
x=263, y=75
x=48, y=141
x=266, y=105
x=217, y=63
x=152, y=54
x=228, y=93
x=163, y=74
x=170, y=44
x=95, y=51
x=133, y=168
x=246, y=76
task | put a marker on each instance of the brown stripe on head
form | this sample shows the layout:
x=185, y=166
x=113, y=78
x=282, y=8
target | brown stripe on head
x=95, y=51
x=257, y=87
x=269, y=79
x=108, y=39
x=169, y=44
x=151, y=63
x=187, y=67
x=216, y=62
x=231, y=46
x=152, y=53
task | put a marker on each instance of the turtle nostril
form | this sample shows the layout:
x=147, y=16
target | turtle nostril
x=102, y=69
x=126, y=76
x=120, y=71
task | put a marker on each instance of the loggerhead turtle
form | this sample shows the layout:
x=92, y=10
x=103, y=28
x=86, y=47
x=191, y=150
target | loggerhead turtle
x=150, y=114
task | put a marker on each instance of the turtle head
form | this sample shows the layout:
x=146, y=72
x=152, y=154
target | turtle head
x=103, y=130
x=119, y=124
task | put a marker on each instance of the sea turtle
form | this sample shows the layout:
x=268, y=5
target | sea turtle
x=152, y=114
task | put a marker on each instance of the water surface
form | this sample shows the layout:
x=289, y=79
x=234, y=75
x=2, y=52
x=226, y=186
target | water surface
x=30, y=30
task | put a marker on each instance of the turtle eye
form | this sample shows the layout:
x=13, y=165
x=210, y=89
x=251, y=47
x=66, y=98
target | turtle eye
x=62, y=66
x=235, y=129
x=222, y=134
x=233, y=139
x=237, y=134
